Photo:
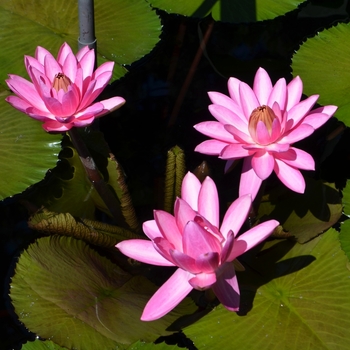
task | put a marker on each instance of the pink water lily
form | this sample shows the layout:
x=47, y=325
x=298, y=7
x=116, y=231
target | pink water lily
x=62, y=92
x=261, y=124
x=194, y=241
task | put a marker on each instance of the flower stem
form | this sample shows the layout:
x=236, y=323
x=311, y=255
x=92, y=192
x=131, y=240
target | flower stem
x=94, y=175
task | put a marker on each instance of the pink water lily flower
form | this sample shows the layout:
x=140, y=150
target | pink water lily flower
x=261, y=124
x=63, y=91
x=194, y=241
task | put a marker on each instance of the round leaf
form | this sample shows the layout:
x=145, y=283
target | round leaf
x=27, y=151
x=64, y=291
x=301, y=302
x=323, y=63
x=125, y=31
x=235, y=11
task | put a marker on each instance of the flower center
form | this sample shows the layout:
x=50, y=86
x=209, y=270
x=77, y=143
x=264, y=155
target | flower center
x=264, y=114
x=61, y=81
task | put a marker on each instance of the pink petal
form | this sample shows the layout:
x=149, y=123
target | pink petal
x=215, y=130
x=190, y=190
x=228, y=246
x=26, y=91
x=151, y=229
x=299, y=111
x=278, y=94
x=70, y=67
x=56, y=126
x=90, y=111
x=82, y=52
x=183, y=213
x=297, y=158
x=250, y=182
x=300, y=132
x=235, y=215
x=110, y=105
x=262, y=86
x=184, y=262
x=294, y=91
x=211, y=147
x=202, y=281
x=40, y=54
x=251, y=238
x=218, y=98
x=164, y=247
x=18, y=103
x=142, y=250
x=167, y=296
x=51, y=67
x=32, y=62
x=79, y=123
x=226, y=116
x=208, y=201
x=239, y=136
x=233, y=88
x=291, y=177
x=198, y=241
x=168, y=227
x=87, y=63
x=64, y=51
x=319, y=116
x=262, y=136
x=263, y=163
x=208, y=262
x=226, y=288
x=248, y=99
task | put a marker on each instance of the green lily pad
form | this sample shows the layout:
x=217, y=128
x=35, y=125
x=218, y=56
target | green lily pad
x=140, y=345
x=234, y=11
x=42, y=345
x=329, y=74
x=125, y=31
x=27, y=152
x=293, y=296
x=344, y=238
x=303, y=216
x=64, y=291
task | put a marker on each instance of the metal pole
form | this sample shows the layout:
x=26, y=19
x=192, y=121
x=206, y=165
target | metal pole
x=86, y=24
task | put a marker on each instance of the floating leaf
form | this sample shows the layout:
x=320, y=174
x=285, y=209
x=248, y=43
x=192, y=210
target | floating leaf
x=27, y=151
x=299, y=302
x=303, y=216
x=64, y=291
x=125, y=31
x=235, y=11
x=42, y=345
x=344, y=238
x=329, y=74
x=140, y=345
x=91, y=231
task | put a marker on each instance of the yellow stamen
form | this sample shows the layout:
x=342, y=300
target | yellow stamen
x=61, y=81
x=264, y=114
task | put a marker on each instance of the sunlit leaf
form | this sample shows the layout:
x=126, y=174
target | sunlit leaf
x=64, y=291
x=140, y=345
x=229, y=10
x=293, y=296
x=125, y=31
x=27, y=151
x=42, y=345
x=303, y=216
x=329, y=74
